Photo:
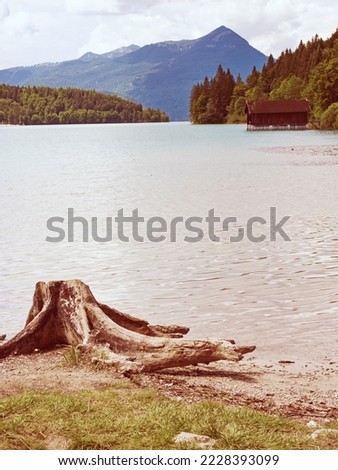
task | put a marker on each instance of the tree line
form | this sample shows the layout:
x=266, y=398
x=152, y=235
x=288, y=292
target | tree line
x=210, y=100
x=29, y=105
x=309, y=72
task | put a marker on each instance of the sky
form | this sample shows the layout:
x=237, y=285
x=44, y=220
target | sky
x=38, y=31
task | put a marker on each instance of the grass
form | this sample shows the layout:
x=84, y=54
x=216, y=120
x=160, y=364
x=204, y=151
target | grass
x=72, y=357
x=122, y=417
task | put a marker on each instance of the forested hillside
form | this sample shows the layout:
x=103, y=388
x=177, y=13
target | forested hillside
x=310, y=72
x=158, y=75
x=42, y=105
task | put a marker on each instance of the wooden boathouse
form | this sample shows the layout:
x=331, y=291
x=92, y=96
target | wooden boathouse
x=277, y=114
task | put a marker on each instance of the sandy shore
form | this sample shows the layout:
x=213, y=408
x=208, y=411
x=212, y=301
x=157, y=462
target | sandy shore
x=302, y=391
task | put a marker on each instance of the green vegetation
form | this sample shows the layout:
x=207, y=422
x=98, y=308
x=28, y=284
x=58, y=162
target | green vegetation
x=72, y=356
x=42, y=105
x=210, y=100
x=310, y=72
x=123, y=417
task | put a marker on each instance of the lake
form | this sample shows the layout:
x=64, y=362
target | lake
x=280, y=295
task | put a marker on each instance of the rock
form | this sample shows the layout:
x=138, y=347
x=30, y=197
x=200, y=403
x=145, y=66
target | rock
x=316, y=433
x=2, y=337
x=311, y=424
x=204, y=442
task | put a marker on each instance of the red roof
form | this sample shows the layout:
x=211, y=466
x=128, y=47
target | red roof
x=277, y=106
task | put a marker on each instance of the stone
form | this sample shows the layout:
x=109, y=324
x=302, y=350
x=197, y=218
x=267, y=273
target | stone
x=204, y=442
x=316, y=433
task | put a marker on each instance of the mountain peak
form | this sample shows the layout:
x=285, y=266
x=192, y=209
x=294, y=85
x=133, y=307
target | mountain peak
x=88, y=56
x=221, y=29
x=158, y=75
x=222, y=35
x=121, y=51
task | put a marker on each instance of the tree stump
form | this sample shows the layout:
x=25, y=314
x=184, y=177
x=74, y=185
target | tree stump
x=66, y=312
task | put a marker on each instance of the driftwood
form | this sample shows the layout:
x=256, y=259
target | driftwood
x=66, y=312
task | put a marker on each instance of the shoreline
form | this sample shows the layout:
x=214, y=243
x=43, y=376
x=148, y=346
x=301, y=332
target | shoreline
x=299, y=391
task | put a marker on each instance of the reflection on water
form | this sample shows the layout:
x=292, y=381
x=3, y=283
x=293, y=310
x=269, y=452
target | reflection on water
x=279, y=295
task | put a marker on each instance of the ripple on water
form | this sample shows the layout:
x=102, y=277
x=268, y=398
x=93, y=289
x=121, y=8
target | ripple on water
x=281, y=294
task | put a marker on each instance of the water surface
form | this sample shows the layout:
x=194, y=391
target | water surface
x=281, y=296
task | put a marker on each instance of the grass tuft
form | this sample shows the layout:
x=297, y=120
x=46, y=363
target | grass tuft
x=122, y=417
x=72, y=357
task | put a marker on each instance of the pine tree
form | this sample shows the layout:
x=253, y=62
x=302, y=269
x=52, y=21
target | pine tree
x=210, y=100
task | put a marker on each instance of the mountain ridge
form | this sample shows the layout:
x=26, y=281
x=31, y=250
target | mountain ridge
x=159, y=75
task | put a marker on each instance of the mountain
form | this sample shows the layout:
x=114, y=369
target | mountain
x=158, y=75
x=88, y=56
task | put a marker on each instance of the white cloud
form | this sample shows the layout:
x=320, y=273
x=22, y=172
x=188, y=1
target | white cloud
x=19, y=25
x=99, y=40
x=34, y=31
x=137, y=6
x=89, y=7
x=4, y=10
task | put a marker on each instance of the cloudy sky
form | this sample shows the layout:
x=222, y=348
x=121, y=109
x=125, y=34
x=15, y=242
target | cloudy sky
x=37, y=31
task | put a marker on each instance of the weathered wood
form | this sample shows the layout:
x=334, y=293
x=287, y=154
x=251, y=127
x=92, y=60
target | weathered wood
x=66, y=312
